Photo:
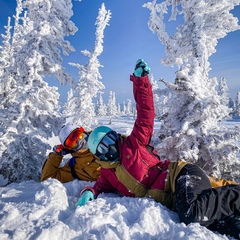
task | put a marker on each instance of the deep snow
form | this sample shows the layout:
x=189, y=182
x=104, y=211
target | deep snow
x=34, y=210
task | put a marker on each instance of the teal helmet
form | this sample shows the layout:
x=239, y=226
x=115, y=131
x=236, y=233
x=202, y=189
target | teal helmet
x=96, y=136
x=103, y=142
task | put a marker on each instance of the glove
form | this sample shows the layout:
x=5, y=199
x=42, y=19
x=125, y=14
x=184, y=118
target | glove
x=61, y=150
x=141, y=68
x=86, y=196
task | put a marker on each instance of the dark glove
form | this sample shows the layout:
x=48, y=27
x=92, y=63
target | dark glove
x=141, y=68
x=61, y=150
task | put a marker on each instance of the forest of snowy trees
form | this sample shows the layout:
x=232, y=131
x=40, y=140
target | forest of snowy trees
x=190, y=108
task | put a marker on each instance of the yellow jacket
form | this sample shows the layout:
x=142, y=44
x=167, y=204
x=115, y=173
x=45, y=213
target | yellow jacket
x=85, y=167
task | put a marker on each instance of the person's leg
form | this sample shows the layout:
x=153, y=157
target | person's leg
x=190, y=183
x=229, y=226
x=196, y=201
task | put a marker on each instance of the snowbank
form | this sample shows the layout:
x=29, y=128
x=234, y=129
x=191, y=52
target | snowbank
x=32, y=210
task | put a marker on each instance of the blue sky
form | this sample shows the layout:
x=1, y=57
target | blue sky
x=127, y=39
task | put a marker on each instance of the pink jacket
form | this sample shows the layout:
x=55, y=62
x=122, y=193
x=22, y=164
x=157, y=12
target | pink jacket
x=144, y=166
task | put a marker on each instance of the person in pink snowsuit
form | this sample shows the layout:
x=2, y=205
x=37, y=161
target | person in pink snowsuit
x=131, y=167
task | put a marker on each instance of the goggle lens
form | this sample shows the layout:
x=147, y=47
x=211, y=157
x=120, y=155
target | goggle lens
x=71, y=141
x=102, y=149
x=108, y=140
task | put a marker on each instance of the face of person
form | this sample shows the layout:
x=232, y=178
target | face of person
x=76, y=140
x=107, y=149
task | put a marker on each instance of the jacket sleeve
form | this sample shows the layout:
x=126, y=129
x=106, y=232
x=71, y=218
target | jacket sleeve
x=142, y=91
x=102, y=184
x=51, y=169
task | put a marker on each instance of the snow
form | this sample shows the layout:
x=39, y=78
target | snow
x=34, y=210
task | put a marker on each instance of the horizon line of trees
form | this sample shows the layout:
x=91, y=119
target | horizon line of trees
x=113, y=107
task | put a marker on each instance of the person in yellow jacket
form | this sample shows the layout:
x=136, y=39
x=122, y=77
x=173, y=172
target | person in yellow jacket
x=81, y=165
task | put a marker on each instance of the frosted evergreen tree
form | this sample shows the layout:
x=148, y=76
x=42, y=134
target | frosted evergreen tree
x=54, y=24
x=34, y=104
x=129, y=108
x=190, y=130
x=8, y=87
x=223, y=92
x=101, y=108
x=5, y=60
x=89, y=84
x=5, y=86
x=70, y=104
x=5, y=49
x=112, y=105
x=237, y=105
x=124, y=108
x=22, y=26
x=160, y=97
x=158, y=104
x=119, y=112
x=231, y=106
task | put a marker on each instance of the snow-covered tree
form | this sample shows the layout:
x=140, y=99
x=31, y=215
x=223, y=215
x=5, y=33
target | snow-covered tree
x=237, y=105
x=191, y=129
x=158, y=99
x=101, y=108
x=119, y=112
x=22, y=26
x=8, y=85
x=112, y=105
x=223, y=91
x=231, y=105
x=51, y=21
x=89, y=84
x=70, y=104
x=124, y=107
x=5, y=49
x=33, y=111
x=5, y=60
x=129, y=108
x=5, y=86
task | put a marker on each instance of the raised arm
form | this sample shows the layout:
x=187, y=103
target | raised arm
x=142, y=91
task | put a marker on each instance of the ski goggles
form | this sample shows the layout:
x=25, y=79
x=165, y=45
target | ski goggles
x=108, y=140
x=72, y=140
